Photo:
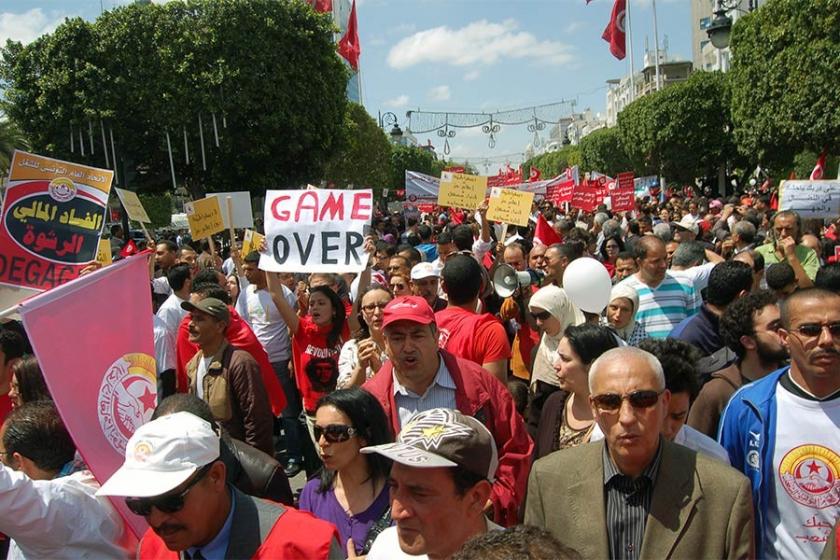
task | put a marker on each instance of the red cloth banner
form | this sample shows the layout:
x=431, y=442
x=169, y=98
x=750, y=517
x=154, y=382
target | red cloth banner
x=625, y=180
x=623, y=199
x=586, y=198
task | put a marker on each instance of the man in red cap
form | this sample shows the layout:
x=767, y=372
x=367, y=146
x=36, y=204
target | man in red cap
x=420, y=377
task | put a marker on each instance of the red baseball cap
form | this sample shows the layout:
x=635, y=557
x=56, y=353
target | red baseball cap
x=408, y=308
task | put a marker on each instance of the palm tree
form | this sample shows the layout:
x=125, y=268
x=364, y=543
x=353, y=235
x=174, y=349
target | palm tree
x=11, y=138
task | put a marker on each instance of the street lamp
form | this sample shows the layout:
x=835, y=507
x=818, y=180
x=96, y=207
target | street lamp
x=390, y=119
x=720, y=28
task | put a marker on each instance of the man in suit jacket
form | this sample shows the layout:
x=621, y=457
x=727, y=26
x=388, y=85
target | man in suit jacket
x=637, y=495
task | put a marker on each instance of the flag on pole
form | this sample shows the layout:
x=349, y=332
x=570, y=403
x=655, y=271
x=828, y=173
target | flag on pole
x=349, y=46
x=99, y=365
x=534, y=174
x=322, y=6
x=544, y=233
x=819, y=168
x=614, y=32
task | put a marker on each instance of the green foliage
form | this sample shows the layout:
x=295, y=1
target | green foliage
x=267, y=68
x=602, y=151
x=365, y=156
x=784, y=75
x=553, y=163
x=803, y=164
x=159, y=208
x=11, y=139
x=411, y=158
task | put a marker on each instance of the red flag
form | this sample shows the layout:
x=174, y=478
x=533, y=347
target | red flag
x=130, y=248
x=819, y=168
x=323, y=6
x=544, y=233
x=349, y=46
x=614, y=32
x=535, y=174
x=99, y=365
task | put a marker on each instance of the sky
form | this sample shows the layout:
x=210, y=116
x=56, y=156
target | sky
x=461, y=56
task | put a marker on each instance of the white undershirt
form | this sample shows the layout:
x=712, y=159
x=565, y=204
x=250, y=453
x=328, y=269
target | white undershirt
x=203, y=364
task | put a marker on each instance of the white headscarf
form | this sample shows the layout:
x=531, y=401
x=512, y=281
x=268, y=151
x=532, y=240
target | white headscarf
x=622, y=290
x=554, y=300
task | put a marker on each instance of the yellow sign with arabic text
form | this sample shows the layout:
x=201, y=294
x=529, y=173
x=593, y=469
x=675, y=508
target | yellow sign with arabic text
x=510, y=206
x=251, y=242
x=205, y=217
x=458, y=190
x=133, y=206
x=103, y=253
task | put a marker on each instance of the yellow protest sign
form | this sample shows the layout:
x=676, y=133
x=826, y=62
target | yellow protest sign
x=103, y=252
x=205, y=217
x=458, y=190
x=251, y=242
x=510, y=206
x=133, y=206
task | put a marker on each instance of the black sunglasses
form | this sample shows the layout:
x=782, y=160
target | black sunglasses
x=542, y=315
x=611, y=402
x=334, y=433
x=812, y=330
x=168, y=503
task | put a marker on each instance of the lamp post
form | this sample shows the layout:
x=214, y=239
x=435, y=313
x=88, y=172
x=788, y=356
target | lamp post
x=720, y=28
x=390, y=119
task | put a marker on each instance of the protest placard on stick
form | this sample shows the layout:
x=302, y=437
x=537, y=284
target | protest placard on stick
x=205, y=217
x=811, y=199
x=133, y=207
x=251, y=241
x=458, y=190
x=510, y=206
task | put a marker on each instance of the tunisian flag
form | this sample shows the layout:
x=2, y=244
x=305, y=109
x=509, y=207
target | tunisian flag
x=323, y=6
x=819, y=168
x=349, y=46
x=544, y=233
x=534, y=174
x=614, y=32
x=99, y=364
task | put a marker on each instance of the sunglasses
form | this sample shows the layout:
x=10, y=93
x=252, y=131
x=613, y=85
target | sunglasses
x=168, y=503
x=334, y=433
x=398, y=286
x=611, y=402
x=812, y=330
x=542, y=315
x=371, y=306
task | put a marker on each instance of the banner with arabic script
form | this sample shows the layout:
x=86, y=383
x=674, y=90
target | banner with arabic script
x=52, y=216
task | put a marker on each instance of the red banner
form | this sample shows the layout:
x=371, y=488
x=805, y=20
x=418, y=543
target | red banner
x=455, y=169
x=586, y=198
x=625, y=180
x=623, y=199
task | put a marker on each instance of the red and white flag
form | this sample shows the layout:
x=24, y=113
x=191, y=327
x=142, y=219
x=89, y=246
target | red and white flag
x=614, y=32
x=544, y=233
x=819, y=168
x=323, y=6
x=94, y=342
x=349, y=46
x=534, y=174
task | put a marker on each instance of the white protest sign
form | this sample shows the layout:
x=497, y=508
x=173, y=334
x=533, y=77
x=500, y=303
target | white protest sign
x=811, y=199
x=243, y=216
x=319, y=230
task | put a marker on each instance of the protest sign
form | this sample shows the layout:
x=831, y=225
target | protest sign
x=811, y=199
x=251, y=241
x=133, y=206
x=462, y=191
x=243, y=215
x=623, y=199
x=52, y=215
x=316, y=231
x=421, y=188
x=205, y=217
x=103, y=379
x=510, y=206
x=103, y=254
x=625, y=180
x=586, y=198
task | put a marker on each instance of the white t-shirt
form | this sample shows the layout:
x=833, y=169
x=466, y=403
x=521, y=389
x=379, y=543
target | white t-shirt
x=164, y=345
x=203, y=364
x=805, y=491
x=387, y=545
x=687, y=437
x=258, y=309
x=171, y=313
x=699, y=275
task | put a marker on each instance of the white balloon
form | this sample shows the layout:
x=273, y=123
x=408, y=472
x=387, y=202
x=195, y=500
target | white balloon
x=587, y=283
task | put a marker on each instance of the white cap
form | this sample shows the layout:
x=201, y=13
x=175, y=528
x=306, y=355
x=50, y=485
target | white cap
x=424, y=270
x=162, y=455
x=688, y=223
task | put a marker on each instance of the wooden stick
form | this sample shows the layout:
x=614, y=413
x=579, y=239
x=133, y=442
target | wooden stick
x=146, y=233
x=229, y=202
x=503, y=236
x=212, y=248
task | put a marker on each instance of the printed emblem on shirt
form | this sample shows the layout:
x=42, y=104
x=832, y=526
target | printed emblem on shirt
x=809, y=474
x=127, y=398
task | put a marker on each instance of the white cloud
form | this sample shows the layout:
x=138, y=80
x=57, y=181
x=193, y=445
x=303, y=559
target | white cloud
x=440, y=93
x=573, y=26
x=480, y=42
x=397, y=102
x=471, y=75
x=27, y=26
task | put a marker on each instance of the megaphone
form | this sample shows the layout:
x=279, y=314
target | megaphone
x=507, y=280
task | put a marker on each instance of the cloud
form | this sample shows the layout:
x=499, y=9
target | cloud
x=27, y=26
x=471, y=75
x=397, y=102
x=480, y=42
x=439, y=93
x=573, y=26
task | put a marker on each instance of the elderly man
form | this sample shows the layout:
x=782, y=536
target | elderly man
x=227, y=378
x=444, y=464
x=425, y=282
x=173, y=475
x=420, y=376
x=781, y=431
x=785, y=246
x=638, y=495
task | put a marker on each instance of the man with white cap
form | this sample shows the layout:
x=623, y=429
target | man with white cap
x=425, y=282
x=174, y=477
x=444, y=464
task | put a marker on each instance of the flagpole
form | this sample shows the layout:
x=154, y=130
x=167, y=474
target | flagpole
x=656, y=42
x=630, y=43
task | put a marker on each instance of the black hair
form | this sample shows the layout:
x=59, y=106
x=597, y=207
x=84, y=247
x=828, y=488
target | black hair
x=813, y=293
x=206, y=276
x=30, y=380
x=828, y=278
x=339, y=313
x=211, y=291
x=368, y=418
x=170, y=245
x=739, y=319
x=618, y=240
x=521, y=542
x=462, y=236
x=626, y=256
x=12, y=344
x=184, y=402
x=35, y=430
x=779, y=275
x=590, y=341
x=383, y=246
x=462, y=279
x=679, y=362
x=464, y=479
x=444, y=238
x=727, y=280
x=413, y=258
x=178, y=276
x=364, y=329
x=116, y=228
x=252, y=258
x=425, y=232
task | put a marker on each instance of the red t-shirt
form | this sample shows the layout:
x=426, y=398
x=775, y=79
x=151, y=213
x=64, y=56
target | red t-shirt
x=478, y=338
x=316, y=363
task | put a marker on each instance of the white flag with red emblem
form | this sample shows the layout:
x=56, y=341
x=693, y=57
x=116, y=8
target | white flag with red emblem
x=819, y=168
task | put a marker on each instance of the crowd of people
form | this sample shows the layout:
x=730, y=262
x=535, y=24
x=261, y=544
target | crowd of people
x=689, y=410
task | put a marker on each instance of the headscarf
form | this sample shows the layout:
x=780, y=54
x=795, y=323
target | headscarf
x=622, y=290
x=555, y=301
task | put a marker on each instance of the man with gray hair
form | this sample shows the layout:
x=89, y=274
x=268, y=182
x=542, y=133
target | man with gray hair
x=743, y=236
x=690, y=262
x=657, y=499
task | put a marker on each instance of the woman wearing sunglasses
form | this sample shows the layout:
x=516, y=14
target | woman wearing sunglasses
x=567, y=419
x=399, y=285
x=362, y=356
x=350, y=491
x=553, y=311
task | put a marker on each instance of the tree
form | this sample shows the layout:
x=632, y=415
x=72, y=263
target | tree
x=602, y=151
x=11, y=139
x=552, y=164
x=262, y=74
x=365, y=157
x=411, y=158
x=785, y=67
